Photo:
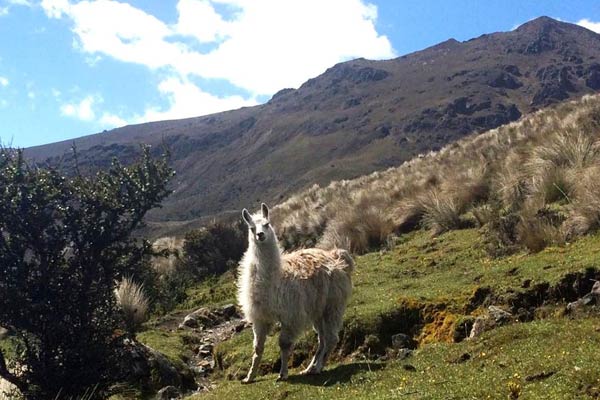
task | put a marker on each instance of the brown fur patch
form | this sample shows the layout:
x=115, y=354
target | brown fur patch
x=306, y=263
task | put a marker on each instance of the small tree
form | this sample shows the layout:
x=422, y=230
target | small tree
x=64, y=242
x=215, y=249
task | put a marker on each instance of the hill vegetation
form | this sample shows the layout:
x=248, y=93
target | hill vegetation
x=530, y=183
x=517, y=252
x=358, y=117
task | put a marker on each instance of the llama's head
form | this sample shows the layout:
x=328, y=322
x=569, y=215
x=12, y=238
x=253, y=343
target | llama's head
x=260, y=228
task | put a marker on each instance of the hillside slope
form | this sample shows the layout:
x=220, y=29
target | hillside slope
x=432, y=289
x=357, y=117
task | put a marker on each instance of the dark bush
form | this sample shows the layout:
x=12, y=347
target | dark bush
x=64, y=242
x=215, y=249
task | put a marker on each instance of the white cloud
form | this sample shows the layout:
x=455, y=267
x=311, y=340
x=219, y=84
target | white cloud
x=25, y=3
x=56, y=8
x=4, y=81
x=108, y=120
x=592, y=26
x=82, y=110
x=262, y=46
x=199, y=19
x=3, y=11
x=187, y=100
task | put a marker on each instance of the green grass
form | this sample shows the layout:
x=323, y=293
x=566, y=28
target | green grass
x=419, y=284
x=215, y=291
x=512, y=356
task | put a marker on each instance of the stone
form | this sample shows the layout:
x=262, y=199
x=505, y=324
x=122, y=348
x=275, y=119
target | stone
x=401, y=341
x=229, y=310
x=168, y=393
x=190, y=321
x=499, y=315
x=478, y=327
x=592, y=298
x=404, y=353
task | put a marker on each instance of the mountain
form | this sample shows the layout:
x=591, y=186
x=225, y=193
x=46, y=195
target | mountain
x=357, y=117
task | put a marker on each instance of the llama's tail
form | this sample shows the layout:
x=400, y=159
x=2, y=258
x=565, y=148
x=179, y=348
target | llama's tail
x=348, y=262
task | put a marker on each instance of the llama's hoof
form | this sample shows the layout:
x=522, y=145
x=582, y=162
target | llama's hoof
x=310, y=371
x=247, y=380
x=282, y=378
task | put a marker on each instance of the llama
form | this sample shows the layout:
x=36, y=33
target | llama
x=299, y=289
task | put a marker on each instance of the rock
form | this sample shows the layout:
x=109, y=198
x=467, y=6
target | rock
x=240, y=326
x=408, y=367
x=190, y=321
x=206, y=348
x=478, y=327
x=403, y=354
x=499, y=315
x=592, y=298
x=3, y=332
x=495, y=317
x=229, y=310
x=401, y=341
x=202, y=317
x=140, y=363
x=168, y=393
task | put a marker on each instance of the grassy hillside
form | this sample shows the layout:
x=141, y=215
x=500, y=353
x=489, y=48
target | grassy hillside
x=509, y=219
x=431, y=288
x=357, y=117
x=533, y=183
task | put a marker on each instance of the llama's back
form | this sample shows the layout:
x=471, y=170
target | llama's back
x=316, y=282
x=307, y=263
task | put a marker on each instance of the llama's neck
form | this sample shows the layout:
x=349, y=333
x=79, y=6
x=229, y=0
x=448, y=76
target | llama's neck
x=268, y=261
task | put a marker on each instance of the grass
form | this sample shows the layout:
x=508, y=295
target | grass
x=547, y=158
x=425, y=286
x=549, y=359
x=215, y=291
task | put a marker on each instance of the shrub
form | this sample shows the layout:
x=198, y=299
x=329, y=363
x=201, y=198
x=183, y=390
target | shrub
x=63, y=244
x=215, y=249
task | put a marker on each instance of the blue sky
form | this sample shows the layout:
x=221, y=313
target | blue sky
x=70, y=68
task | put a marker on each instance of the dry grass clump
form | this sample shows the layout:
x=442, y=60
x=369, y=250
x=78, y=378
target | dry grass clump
x=441, y=213
x=133, y=302
x=358, y=231
x=505, y=179
x=584, y=213
x=538, y=228
x=169, y=251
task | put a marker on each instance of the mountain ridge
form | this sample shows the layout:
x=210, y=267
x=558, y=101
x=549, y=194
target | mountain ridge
x=357, y=117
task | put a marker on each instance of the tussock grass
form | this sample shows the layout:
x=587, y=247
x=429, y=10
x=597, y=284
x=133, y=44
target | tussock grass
x=549, y=158
x=422, y=270
x=133, y=302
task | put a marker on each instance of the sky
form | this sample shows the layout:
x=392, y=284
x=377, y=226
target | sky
x=71, y=68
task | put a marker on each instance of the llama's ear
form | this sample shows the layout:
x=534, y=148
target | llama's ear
x=265, y=211
x=247, y=217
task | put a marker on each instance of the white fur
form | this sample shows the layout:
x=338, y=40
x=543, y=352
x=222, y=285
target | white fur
x=306, y=288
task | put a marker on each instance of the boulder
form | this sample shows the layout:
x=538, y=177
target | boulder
x=402, y=341
x=168, y=393
x=590, y=299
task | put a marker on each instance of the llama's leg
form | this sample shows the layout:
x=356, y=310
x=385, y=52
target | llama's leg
x=260, y=335
x=286, y=342
x=311, y=369
x=332, y=325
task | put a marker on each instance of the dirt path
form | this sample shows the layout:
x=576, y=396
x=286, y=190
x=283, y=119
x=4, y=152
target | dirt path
x=207, y=328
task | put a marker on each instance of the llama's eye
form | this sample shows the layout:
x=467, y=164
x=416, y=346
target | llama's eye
x=266, y=225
